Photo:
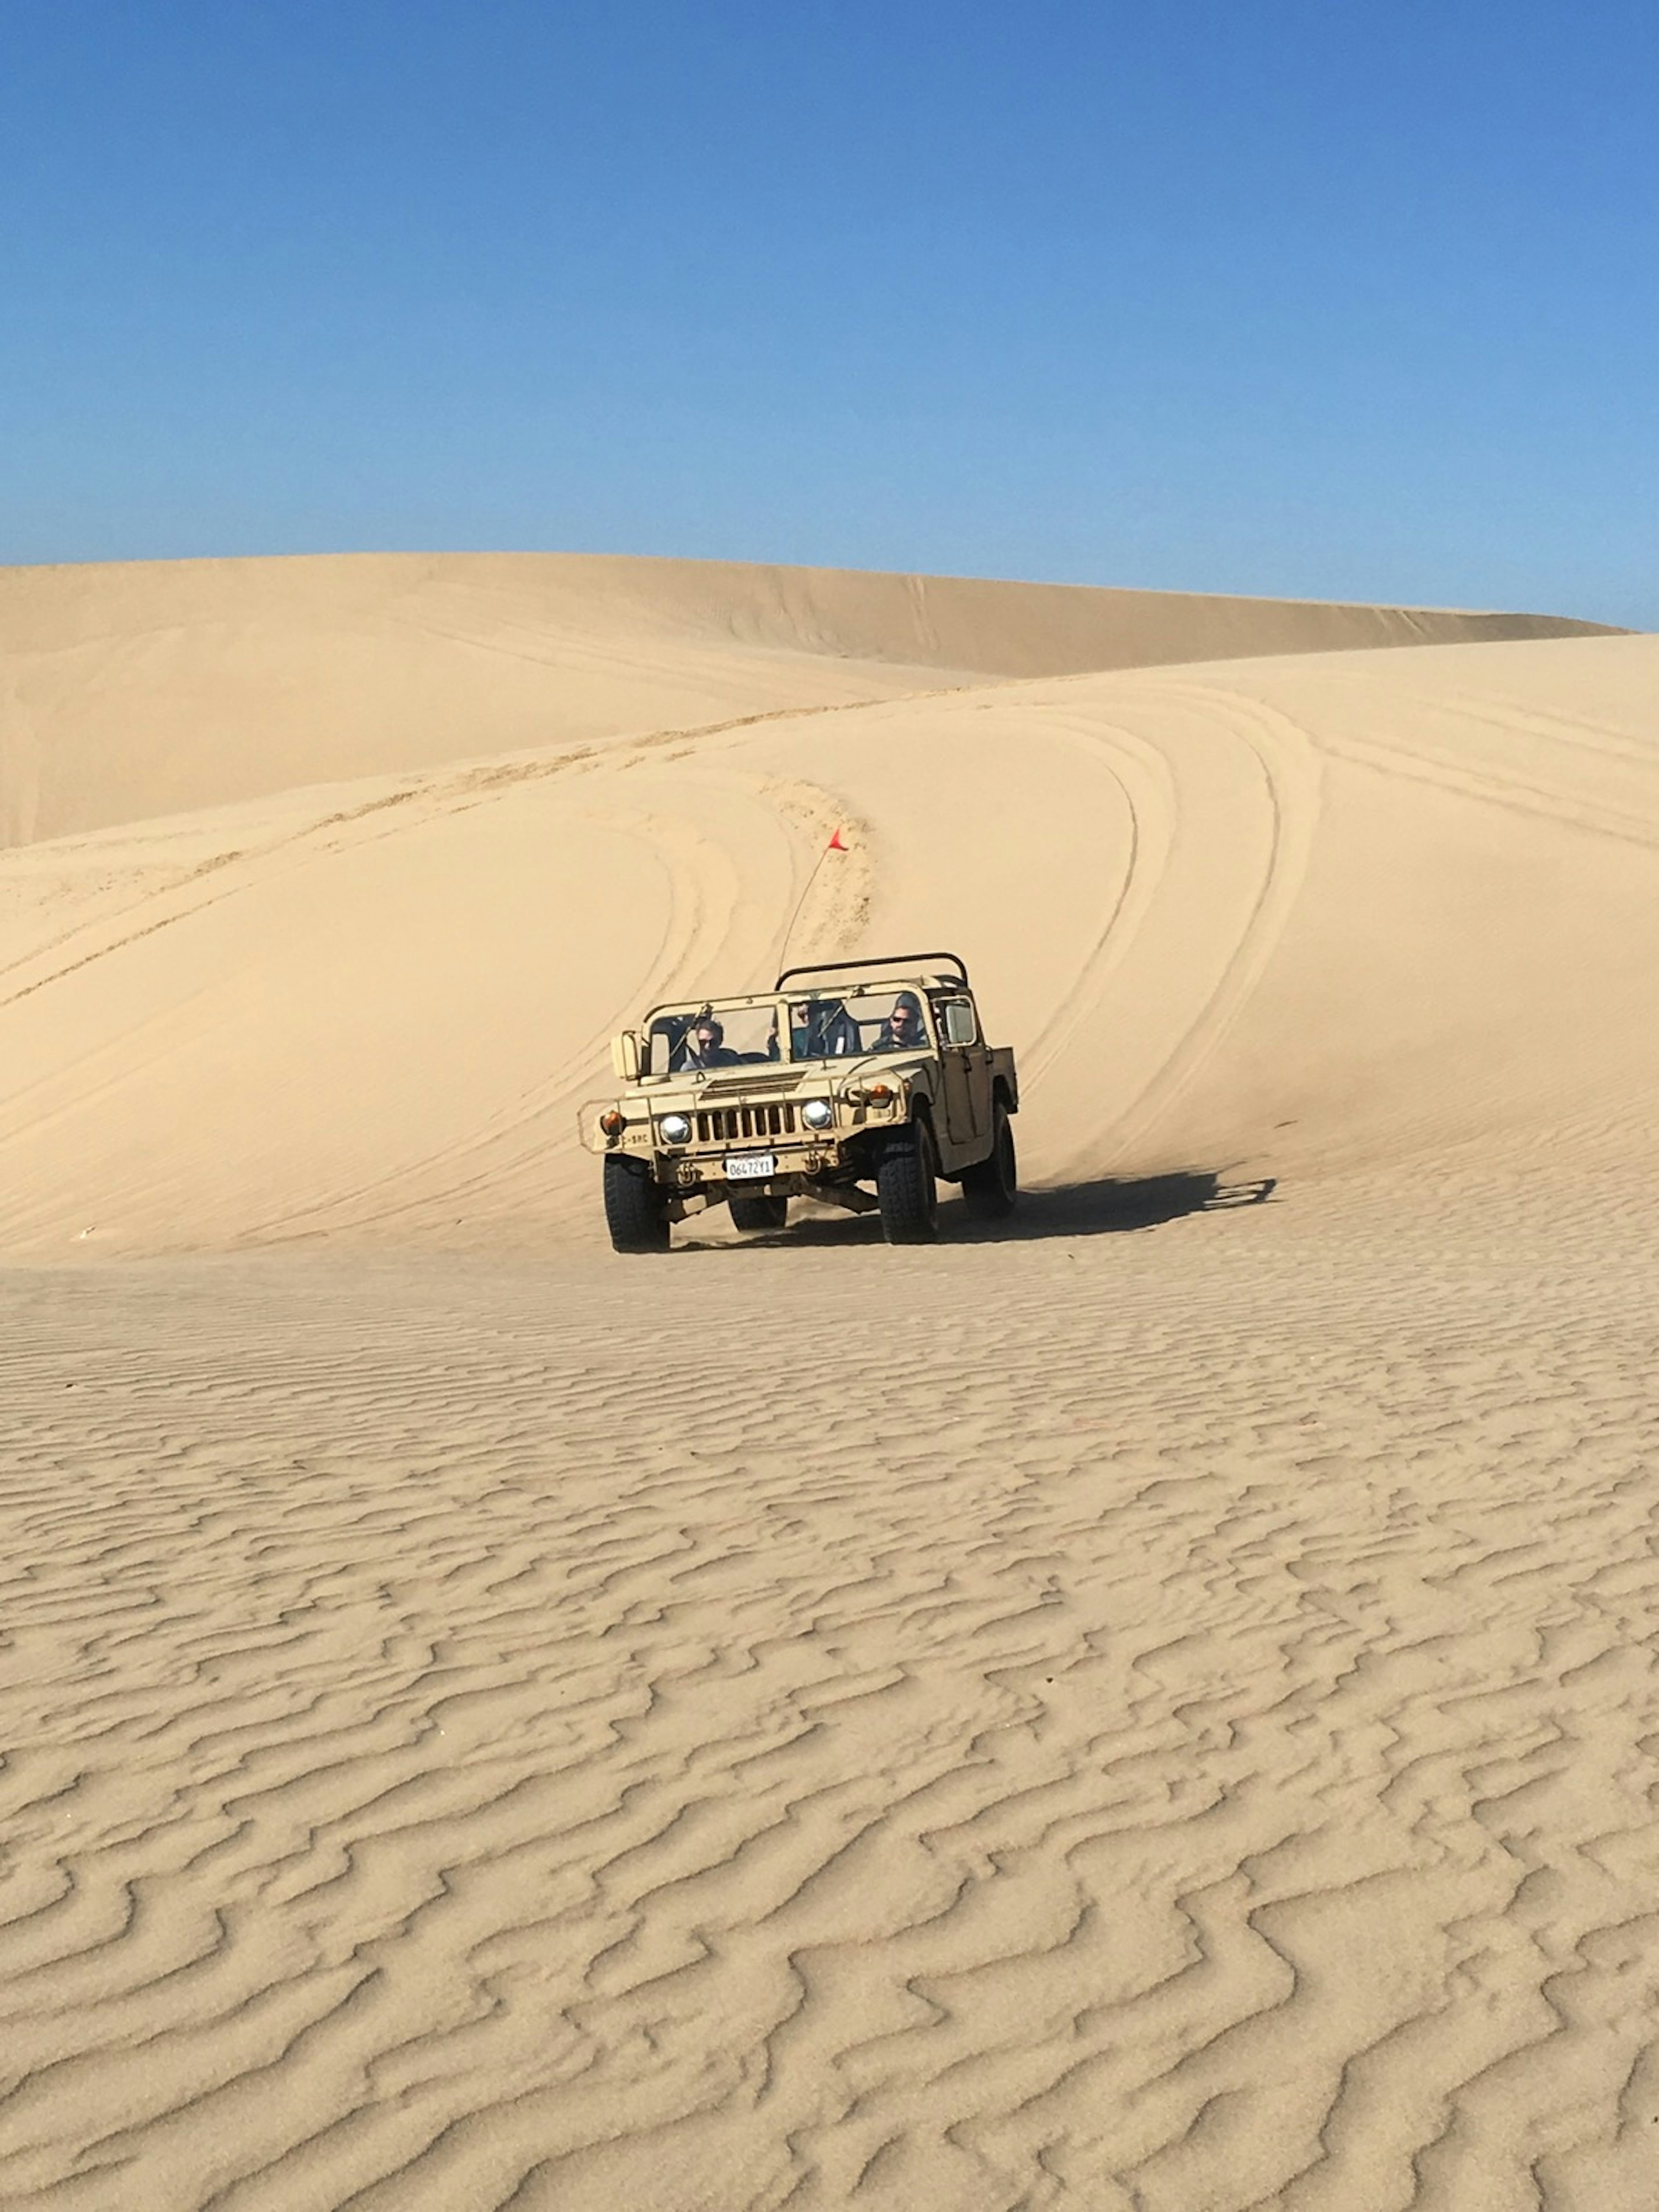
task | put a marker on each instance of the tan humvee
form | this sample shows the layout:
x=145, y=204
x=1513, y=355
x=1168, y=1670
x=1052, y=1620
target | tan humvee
x=860, y=1082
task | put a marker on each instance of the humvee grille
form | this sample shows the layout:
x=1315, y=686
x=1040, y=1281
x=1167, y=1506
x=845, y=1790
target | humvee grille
x=724, y=1125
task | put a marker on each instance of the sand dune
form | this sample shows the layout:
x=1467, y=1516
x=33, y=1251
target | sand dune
x=147, y=688
x=1154, y=1711
x=1289, y=914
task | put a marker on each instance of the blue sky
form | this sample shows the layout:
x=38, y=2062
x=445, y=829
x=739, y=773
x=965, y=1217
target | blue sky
x=1282, y=296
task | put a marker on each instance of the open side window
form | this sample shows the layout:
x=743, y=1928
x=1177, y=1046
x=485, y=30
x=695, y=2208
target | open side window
x=958, y=1022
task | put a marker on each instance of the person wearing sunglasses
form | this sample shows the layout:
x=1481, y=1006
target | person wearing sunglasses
x=902, y=1030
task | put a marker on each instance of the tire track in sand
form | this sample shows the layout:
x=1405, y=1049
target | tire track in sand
x=1223, y=800
x=1288, y=762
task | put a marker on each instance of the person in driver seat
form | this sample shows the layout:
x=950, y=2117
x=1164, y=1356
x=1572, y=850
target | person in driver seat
x=902, y=1029
x=704, y=1045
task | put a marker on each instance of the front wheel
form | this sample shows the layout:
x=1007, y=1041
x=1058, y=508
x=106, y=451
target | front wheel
x=635, y=1210
x=907, y=1186
x=757, y=1211
x=990, y=1187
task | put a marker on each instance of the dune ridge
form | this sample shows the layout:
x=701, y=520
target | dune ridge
x=133, y=689
x=1153, y=1713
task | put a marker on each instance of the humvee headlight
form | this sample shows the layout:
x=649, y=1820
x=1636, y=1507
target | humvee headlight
x=817, y=1113
x=675, y=1129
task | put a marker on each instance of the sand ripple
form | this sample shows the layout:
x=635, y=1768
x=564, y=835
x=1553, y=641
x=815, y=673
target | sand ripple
x=1162, y=1720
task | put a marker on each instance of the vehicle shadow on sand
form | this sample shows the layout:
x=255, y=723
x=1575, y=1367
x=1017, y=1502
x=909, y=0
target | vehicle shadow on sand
x=1109, y=1207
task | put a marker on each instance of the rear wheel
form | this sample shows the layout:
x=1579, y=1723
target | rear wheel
x=759, y=1211
x=907, y=1186
x=635, y=1209
x=991, y=1185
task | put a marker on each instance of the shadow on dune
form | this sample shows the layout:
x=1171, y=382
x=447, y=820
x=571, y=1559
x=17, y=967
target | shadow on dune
x=1111, y=1206
x=1080, y=1209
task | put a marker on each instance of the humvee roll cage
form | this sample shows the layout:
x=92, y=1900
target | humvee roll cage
x=890, y=963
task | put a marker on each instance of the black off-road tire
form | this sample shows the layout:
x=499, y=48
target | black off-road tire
x=907, y=1185
x=757, y=1212
x=991, y=1185
x=635, y=1208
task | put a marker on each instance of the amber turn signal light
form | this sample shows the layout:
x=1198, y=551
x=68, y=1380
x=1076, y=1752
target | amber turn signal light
x=613, y=1123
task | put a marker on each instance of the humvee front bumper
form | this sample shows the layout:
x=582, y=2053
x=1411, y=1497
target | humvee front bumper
x=742, y=1171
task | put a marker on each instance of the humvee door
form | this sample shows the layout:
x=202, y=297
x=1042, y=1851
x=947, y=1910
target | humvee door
x=966, y=1068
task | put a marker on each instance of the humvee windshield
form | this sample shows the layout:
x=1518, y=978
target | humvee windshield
x=688, y=1040
x=691, y=1038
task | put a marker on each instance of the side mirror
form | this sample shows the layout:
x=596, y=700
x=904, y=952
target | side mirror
x=961, y=1025
x=625, y=1058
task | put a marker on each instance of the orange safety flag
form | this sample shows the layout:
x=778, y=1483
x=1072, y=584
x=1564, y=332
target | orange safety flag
x=836, y=844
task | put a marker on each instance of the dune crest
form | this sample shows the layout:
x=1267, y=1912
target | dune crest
x=143, y=688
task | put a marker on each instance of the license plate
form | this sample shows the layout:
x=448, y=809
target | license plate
x=747, y=1167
